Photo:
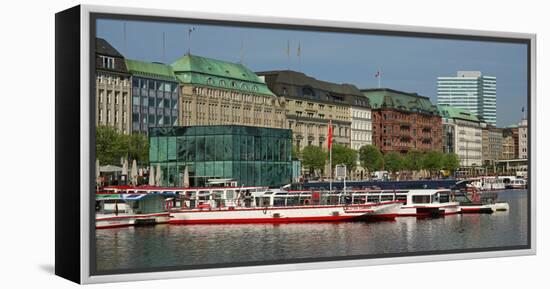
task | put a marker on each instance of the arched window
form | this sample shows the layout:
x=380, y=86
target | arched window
x=222, y=82
x=210, y=81
x=308, y=91
x=233, y=84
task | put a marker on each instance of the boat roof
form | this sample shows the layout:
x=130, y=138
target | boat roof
x=172, y=189
x=126, y=197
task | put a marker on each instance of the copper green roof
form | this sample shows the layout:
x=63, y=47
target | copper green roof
x=150, y=70
x=394, y=99
x=217, y=73
x=447, y=111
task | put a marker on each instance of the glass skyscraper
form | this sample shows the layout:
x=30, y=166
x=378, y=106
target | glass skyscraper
x=472, y=91
x=253, y=156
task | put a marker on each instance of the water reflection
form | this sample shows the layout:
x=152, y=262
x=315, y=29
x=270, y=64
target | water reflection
x=169, y=245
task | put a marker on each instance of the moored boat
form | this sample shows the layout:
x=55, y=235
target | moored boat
x=415, y=203
x=280, y=206
x=122, y=210
x=517, y=184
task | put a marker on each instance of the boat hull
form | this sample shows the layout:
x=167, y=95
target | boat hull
x=429, y=210
x=112, y=221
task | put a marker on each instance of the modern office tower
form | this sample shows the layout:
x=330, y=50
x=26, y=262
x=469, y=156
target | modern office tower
x=472, y=91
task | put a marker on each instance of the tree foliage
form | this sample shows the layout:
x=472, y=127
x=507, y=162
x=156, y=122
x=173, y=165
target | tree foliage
x=433, y=161
x=393, y=162
x=451, y=162
x=413, y=161
x=313, y=158
x=344, y=155
x=111, y=146
x=370, y=158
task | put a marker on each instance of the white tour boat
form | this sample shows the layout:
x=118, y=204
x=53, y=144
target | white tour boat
x=518, y=184
x=276, y=206
x=121, y=210
x=488, y=183
x=415, y=203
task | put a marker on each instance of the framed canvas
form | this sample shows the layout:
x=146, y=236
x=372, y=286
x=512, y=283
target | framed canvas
x=197, y=144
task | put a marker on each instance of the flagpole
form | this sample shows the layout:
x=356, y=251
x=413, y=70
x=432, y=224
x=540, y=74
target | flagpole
x=330, y=155
x=330, y=169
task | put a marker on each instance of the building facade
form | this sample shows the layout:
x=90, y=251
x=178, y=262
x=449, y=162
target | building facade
x=509, y=144
x=361, y=122
x=402, y=122
x=472, y=91
x=467, y=135
x=215, y=92
x=523, y=144
x=155, y=100
x=253, y=156
x=112, y=86
x=311, y=103
x=492, y=144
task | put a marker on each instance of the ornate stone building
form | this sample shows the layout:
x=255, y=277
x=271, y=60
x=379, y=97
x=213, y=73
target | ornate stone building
x=403, y=121
x=215, y=92
x=311, y=103
x=112, y=101
x=467, y=138
x=492, y=144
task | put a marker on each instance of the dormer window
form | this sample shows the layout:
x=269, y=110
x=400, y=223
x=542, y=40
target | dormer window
x=107, y=62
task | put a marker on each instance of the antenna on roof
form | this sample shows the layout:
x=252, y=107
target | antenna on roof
x=124, y=39
x=288, y=54
x=299, y=54
x=189, y=31
x=163, y=47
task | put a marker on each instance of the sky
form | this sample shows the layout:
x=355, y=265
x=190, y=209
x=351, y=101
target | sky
x=410, y=64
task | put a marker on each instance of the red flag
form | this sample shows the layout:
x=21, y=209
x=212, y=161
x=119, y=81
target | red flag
x=329, y=134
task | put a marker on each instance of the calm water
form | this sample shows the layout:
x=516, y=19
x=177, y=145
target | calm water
x=170, y=245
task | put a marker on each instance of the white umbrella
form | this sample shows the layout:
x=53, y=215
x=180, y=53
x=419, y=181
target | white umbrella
x=158, y=175
x=134, y=172
x=186, y=178
x=125, y=168
x=151, y=176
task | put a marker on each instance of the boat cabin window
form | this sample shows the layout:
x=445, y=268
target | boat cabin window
x=263, y=201
x=229, y=194
x=421, y=199
x=444, y=197
x=279, y=201
x=373, y=199
x=402, y=198
x=204, y=195
x=359, y=200
x=292, y=201
x=386, y=198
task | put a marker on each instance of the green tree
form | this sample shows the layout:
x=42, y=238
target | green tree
x=110, y=146
x=433, y=161
x=393, y=162
x=412, y=161
x=370, y=158
x=313, y=158
x=138, y=148
x=451, y=162
x=344, y=155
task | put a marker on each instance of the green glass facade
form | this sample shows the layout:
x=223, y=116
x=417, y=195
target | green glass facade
x=253, y=156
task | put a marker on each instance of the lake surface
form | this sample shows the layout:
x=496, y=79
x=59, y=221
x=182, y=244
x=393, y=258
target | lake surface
x=184, y=245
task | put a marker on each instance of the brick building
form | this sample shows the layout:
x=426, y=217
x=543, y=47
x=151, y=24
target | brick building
x=403, y=121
